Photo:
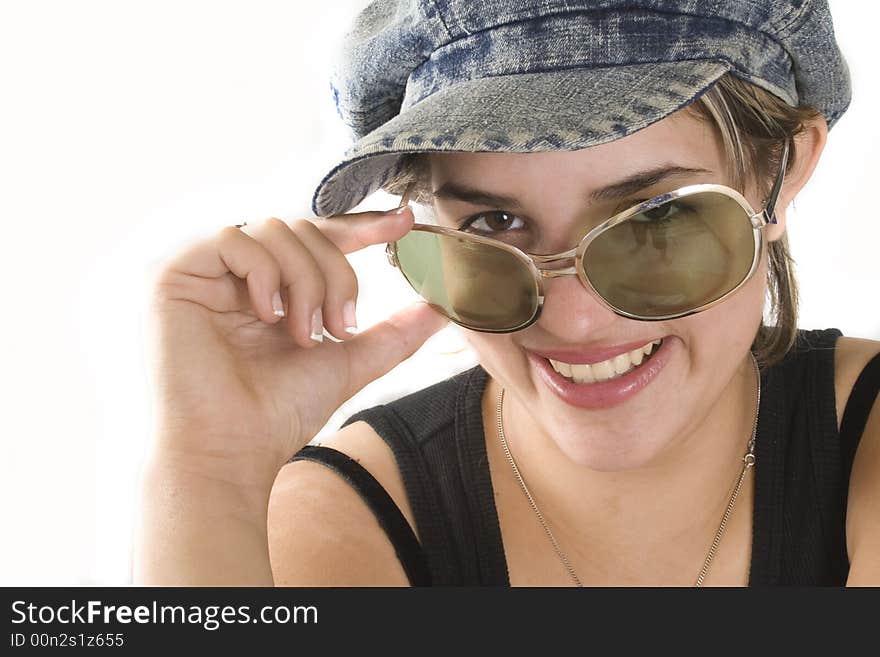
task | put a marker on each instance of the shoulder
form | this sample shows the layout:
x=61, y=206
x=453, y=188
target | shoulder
x=321, y=533
x=850, y=357
x=863, y=504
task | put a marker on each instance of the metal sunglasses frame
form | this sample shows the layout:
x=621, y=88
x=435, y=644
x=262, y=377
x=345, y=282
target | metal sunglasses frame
x=538, y=264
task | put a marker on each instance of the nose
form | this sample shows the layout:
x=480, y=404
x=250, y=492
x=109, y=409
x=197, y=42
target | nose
x=572, y=312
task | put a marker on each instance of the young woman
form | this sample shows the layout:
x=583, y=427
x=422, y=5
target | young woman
x=606, y=231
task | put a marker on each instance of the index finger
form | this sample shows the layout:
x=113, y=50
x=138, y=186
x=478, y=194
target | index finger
x=352, y=232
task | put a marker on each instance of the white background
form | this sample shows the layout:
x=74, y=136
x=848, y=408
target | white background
x=130, y=128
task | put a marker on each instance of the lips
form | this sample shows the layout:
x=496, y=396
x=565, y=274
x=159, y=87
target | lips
x=604, y=394
x=592, y=354
x=606, y=369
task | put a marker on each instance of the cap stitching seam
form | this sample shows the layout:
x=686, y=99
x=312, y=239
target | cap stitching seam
x=515, y=21
x=524, y=16
x=371, y=108
x=794, y=19
x=711, y=58
x=442, y=21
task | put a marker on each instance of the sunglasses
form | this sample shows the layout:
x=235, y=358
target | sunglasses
x=674, y=255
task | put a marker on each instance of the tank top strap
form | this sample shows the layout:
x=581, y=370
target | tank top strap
x=482, y=513
x=422, y=494
x=435, y=435
x=387, y=513
x=858, y=408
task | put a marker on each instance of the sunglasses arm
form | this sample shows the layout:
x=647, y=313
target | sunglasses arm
x=768, y=214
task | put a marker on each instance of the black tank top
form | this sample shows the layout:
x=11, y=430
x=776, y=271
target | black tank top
x=802, y=474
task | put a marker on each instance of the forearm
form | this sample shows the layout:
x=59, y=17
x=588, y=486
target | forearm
x=200, y=529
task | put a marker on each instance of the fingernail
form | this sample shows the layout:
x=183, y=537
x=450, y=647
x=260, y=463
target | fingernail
x=348, y=317
x=398, y=210
x=277, y=306
x=317, y=326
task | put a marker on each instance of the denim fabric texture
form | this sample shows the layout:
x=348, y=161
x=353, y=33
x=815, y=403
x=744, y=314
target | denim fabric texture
x=553, y=75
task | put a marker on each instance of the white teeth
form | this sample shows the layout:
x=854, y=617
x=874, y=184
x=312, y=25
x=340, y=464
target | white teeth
x=581, y=373
x=603, y=371
x=636, y=356
x=607, y=369
x=622, y=363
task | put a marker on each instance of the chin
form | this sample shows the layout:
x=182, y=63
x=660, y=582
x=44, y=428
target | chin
x=612, y=452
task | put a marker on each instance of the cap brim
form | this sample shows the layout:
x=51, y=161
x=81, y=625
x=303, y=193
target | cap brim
x=550, y=111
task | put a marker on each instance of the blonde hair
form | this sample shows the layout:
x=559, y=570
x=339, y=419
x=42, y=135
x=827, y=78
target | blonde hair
x=752, y=125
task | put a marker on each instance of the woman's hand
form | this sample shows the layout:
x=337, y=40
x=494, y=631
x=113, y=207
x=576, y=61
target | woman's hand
x=240, y=389
x=239, y=386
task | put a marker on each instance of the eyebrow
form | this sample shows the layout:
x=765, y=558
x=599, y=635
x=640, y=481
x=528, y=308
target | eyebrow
x=638, y=181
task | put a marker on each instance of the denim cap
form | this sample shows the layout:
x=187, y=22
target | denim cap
x=519, y=76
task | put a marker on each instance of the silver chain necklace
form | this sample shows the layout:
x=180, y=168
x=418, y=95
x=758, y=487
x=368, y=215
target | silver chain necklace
x=748, y=462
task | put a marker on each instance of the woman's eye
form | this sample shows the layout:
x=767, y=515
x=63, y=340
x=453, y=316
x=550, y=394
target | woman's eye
x=493, y=222
x=661, y=213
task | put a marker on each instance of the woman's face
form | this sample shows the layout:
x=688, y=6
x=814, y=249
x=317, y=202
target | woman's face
x=557, y=202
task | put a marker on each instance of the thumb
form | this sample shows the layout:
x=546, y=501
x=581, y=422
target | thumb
x=377, y=350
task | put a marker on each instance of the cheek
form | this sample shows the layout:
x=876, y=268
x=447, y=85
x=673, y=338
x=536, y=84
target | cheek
x=499, y=355
x=732, y=324
x=489, y=346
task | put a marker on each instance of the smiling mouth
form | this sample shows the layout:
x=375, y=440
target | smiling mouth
x=607, y=369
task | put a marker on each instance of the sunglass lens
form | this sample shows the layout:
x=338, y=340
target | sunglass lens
x=477, y=285
x=673, y=258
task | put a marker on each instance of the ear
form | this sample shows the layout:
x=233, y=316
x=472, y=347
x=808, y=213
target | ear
x=807, y=148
